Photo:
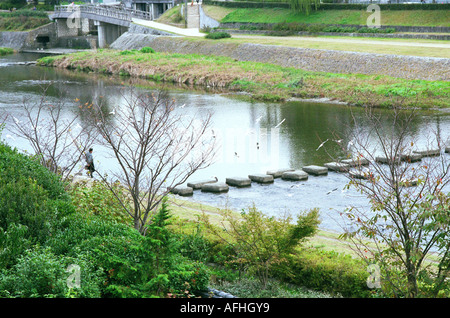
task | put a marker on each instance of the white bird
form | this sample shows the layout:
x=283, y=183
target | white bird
x=320, y=146
x=113, y=112
x=16, y=120
x=258, y=119
x=349, y=145
x=182, y=106
x=280, y=123
x=11, y=137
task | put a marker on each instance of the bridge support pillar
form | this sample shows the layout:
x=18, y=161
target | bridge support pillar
x=101, y=34
x=108, y=33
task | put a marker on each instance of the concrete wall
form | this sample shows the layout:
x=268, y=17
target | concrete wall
x=30, y=40
x=206, y=21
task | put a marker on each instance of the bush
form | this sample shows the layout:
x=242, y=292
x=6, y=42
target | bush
x=5, y=51
x=41, y=273
x=30, y=196
x=217, y=35
x=188, y=276
x=14, y=165
x=329, y=272
x=147, y=49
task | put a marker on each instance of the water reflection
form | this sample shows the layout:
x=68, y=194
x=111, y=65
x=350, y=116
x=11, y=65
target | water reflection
x=254, y=136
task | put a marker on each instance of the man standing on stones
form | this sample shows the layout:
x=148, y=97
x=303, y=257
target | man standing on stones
x=90, y=162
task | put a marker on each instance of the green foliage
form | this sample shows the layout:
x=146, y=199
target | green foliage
x=13, y=242
x=42, y=233
x=260, y=242
x=41, y=273
x=14, y=166
x=22, y=20
x=30, y=196
x=217, y=35
x=5, y=51
x=128, y=52
x=331, y=272
x=187, y=277
x=247, y=287
x=304, y=6
x=147, y=49
x=329, y=6
x=24, y=13
x=98, y=200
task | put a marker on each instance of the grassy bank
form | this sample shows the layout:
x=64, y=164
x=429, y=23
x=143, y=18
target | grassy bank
x=262, y=81
x=22, y=20
x=355, y=17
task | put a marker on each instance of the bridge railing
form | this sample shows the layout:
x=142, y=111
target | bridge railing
x=113, y=12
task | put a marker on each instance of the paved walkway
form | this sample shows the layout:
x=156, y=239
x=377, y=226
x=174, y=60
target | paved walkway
x=169, y=28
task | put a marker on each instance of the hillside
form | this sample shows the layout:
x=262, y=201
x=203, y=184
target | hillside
x=356, y=17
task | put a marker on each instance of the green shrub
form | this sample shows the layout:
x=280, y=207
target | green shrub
x=147, y=49
x=14, y=241
x=99, y=200
x=5, y=51
x=188, y=276
x=41, y=273
x=328, y=272
x=217, y=35
x=14, y=165
x=128, y=52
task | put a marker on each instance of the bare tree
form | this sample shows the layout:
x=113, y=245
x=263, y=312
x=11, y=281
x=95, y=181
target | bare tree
x=55, y=135
x=156, y=149
x=408, y=218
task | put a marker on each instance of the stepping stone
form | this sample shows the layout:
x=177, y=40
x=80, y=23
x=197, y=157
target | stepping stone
x=198, y=184
x=316, y=170
x=278, y=173
x=360, y=174
x=337, y=166
x=428, y=153
x=447, y=149
x=356, y=162
x=182, y=191
x=217, y=187
x=386, y=160
x=238, y=182
x=296, y=175
x=411, y=157
x=261, y=178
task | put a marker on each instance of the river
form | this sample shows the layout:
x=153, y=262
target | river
x=255, y=137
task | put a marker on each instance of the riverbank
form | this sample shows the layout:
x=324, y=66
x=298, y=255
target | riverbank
x=261, y=81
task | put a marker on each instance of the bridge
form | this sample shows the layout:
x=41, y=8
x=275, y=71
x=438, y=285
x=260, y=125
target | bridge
x=108, y=22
